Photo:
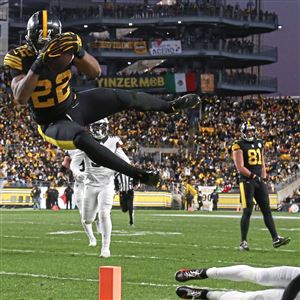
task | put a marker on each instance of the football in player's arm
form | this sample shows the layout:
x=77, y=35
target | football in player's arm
x=248, y=157
x=62, y=115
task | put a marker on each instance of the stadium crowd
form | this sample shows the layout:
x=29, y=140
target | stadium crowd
x=194, y=145
x=201, y=7
x=117, y=9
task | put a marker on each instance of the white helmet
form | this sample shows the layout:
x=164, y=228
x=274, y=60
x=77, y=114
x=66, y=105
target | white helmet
x=99, y=129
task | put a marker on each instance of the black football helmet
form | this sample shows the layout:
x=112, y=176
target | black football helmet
x=41, y=28
x=248, y=131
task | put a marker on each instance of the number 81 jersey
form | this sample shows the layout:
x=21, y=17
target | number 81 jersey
x=52, y=95
x=252, y=154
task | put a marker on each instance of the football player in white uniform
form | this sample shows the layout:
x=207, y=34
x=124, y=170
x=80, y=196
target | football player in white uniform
x=99, y=185
x=74, y=160
x=280, y=279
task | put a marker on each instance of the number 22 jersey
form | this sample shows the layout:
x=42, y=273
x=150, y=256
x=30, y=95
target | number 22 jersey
x=52, y=95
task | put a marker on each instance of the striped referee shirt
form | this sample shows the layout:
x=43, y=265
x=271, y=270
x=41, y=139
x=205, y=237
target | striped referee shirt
x=123, y=183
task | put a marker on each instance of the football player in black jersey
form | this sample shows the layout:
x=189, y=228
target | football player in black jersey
x=248, y=157
x=60, y=113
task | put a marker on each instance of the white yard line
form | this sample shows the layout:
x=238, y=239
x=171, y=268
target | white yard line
x=80, y=279
x=4, y=273
x=140, y=257
x=221, y=216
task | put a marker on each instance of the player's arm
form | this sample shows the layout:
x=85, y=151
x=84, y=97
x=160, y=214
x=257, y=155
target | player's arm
x=120, y=152
x=66, y=162
x=64, y=166
x=88, y=65
x=23, y=86
x=238, y=160
x=264, y=170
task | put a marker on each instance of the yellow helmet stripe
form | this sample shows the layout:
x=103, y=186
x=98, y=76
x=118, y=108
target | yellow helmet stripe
x=45, y=24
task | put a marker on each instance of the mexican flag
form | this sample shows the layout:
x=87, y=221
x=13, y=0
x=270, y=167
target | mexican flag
x=180, y=82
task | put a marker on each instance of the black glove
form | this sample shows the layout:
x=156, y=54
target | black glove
x=65, y=42
x=257, y=179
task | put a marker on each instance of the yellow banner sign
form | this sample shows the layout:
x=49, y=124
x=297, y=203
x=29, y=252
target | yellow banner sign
x=132, y=82
x=139, y=47
x=207, y=83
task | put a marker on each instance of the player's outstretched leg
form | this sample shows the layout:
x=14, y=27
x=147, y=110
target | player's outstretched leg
x=100, y=103
x=104, y=157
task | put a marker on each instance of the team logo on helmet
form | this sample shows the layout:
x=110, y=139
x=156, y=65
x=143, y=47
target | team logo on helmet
x=42, y=26
x=248, y=131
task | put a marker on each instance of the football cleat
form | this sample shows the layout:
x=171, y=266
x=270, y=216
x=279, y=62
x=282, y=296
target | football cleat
x=149, y=177
x=186, y=274
x=244, y=246
x=183, y=102
x=93, y=243
x=187, y=292
x=281, y=241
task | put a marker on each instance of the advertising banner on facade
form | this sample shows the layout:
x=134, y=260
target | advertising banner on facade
x=160, y=47
x=207, y=83
x=139, y=47
x=132, y=82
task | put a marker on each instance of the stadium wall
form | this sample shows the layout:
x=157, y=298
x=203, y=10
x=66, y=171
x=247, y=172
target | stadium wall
x=20, y=197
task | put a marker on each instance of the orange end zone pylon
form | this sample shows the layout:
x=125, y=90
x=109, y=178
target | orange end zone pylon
x=110, y=283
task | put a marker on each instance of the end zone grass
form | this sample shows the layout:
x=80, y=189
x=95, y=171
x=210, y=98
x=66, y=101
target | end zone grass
x=45, y=254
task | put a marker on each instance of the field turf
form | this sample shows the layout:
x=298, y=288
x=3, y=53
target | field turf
x=45, y=254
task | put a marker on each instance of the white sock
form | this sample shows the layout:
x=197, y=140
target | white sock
x=88, y=230
x=106, y=227
x=98, y=226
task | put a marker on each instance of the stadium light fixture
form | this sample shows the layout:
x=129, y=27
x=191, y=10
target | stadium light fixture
x=179, y=22
x=85, y=26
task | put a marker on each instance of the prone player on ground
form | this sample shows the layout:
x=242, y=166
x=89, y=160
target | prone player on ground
x=283, y=281
x=60, y=113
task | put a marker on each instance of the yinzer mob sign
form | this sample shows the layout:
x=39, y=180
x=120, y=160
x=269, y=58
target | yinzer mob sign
x=132, y=82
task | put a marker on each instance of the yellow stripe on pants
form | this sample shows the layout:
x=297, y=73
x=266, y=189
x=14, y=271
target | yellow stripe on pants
x=243, y=195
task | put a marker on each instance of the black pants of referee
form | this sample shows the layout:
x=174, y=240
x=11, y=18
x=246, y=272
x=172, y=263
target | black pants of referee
x=126, y=203
x=249, y=190
x=69, y=130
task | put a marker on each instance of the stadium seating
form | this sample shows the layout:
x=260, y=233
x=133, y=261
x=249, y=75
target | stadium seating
x=201, y=145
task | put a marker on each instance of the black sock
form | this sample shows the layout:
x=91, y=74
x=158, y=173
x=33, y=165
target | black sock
x=245, y=221
x=103, y=156
x=269, y=222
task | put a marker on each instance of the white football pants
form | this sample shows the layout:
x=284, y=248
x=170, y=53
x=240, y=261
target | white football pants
x=278, y=277
x=78, y=198
x=99, y=199
x=78, y=194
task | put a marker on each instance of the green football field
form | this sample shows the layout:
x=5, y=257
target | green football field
x=45, y=254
